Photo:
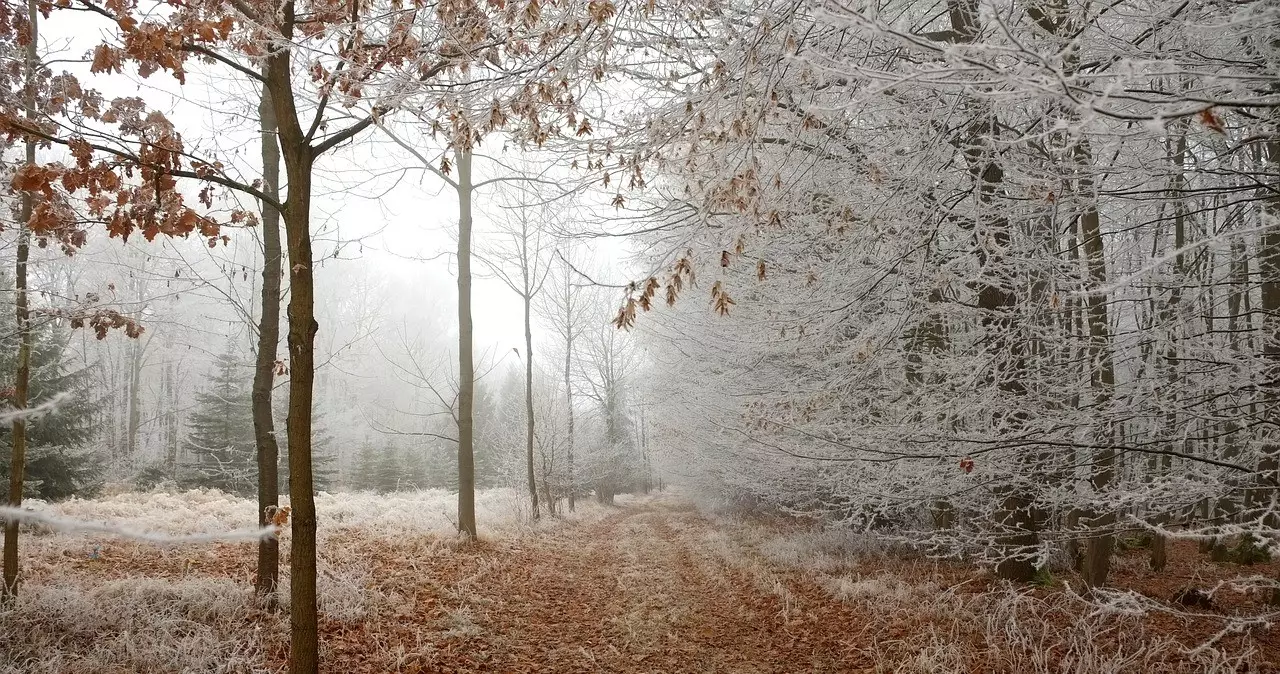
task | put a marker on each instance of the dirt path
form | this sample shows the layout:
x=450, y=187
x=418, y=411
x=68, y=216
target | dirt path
x=648, y=589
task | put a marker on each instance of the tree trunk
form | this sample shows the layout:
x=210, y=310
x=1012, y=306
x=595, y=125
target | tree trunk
x=466, y=367
x=997, y=301
x=528, y=380
x=1237, y=324
x=644, y=454
x=1159, y=544
x=18, y=459
x=547, y=493
x=264, y=368
x=928, y=336
x=607, y=483
x=171, y=404
x=134, y=413
x=298, y=160
x=1097, y=564
x=1269, y=270
x=568, y=390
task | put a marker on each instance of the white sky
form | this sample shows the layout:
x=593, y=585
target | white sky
x=401, y=222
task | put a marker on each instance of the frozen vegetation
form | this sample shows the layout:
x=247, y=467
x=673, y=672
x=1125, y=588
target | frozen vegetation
x=640, y=335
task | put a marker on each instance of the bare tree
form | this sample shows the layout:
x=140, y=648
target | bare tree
x=520, y=261
x=566, y=310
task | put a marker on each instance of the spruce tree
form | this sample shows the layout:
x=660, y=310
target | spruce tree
x=60, y=459
x=488, y=428
x=324, y=453
x=221, y=441
x=362, y=478
x=413, y=469
x=439, y=467
x=389, y=467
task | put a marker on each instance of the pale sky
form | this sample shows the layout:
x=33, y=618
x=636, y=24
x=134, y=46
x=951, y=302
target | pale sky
x=401, y=222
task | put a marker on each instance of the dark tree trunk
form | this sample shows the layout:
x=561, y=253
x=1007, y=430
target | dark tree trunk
x=22, y=380
x=1098, y=550
x=1159, y=545
x=1269, y=269
x=998, y=303
x=298, y=160
x=264, y=369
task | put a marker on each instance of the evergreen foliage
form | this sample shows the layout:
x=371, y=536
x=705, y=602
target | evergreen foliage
x=389, y=468
x=221, y=441
x=323, y=449
x=488, y=431
x=60, y=461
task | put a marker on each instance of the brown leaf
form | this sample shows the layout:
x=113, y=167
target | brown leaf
x=1210, y=120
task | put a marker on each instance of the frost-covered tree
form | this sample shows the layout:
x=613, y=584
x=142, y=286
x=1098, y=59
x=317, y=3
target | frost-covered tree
x=61, y=459
x=221, y=444
x=995, y=278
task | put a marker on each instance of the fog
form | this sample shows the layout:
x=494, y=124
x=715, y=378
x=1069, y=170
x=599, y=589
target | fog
x=603, y=336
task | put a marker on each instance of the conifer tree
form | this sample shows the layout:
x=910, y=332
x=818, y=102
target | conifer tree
x=362, y=477
x=60, y=462
x=323, y=451
x=221, y=441
x=488, y=425
x=387, y=468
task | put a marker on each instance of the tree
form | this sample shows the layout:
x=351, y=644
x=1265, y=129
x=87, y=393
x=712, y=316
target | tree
x=387, y=469
x=523, y=249
x=610, y=360
x=566, y=311
x=323, y=455
x=60, y=461
x=44, y=214
x=987, y=336
x=222, y=439
x=265, y=365
x=466, y=362
x=22, y=315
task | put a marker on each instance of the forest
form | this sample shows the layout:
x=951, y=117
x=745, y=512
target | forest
x=660, y=336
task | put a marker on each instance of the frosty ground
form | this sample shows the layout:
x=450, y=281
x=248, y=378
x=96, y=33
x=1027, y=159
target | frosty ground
x=656, y=584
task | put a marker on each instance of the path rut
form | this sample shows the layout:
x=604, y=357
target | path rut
x=649, y=589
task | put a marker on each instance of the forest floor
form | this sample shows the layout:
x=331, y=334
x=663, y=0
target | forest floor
x=639, y=591
x=654, y=586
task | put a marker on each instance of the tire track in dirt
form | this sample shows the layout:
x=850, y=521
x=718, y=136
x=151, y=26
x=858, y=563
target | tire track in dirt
x=641, y=592
x=751, y=614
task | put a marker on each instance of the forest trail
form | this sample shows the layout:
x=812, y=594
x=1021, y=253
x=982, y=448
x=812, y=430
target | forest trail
x=654, y=587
